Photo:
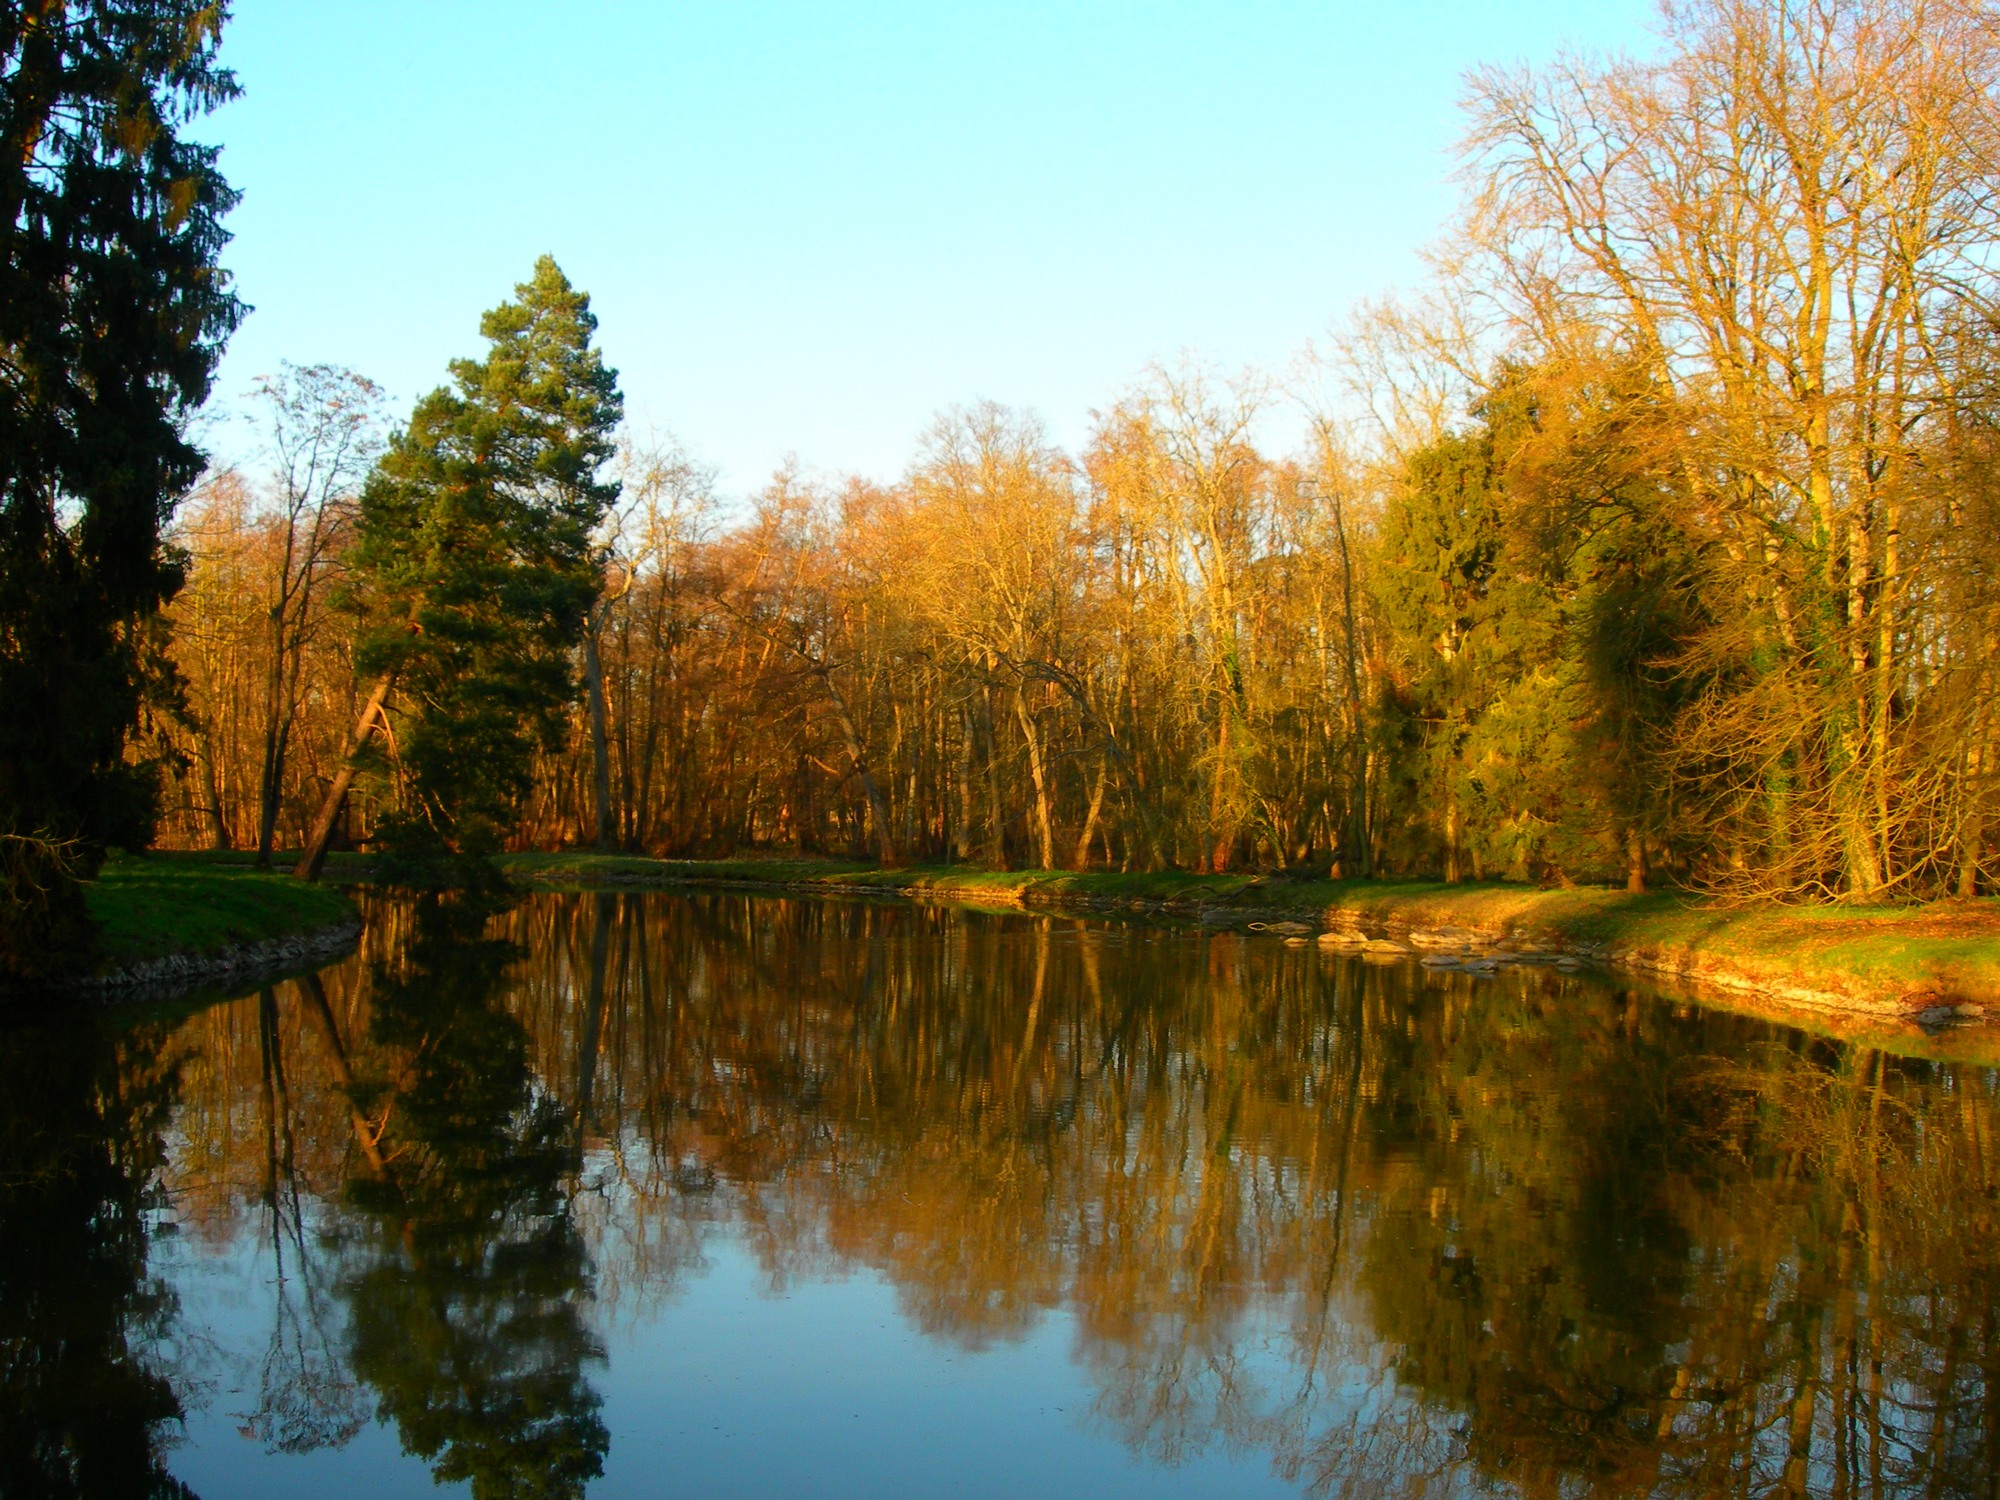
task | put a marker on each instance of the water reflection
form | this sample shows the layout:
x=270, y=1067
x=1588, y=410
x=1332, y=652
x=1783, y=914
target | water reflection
x=1394, y=1233
x=463, y=1271
x=85, y=1402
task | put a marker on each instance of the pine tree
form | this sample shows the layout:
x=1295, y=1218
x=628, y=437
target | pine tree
x=113, y=314
x=475, y=566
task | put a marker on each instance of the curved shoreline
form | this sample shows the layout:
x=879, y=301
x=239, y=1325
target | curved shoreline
x=1901, y=972
x=186, y=971
x=1478, y=930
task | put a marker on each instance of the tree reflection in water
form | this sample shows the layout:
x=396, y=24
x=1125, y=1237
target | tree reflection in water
x=466, y=1278
x=1399, y=1233
x=85, y=1405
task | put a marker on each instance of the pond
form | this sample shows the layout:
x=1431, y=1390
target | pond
x=726, y=1194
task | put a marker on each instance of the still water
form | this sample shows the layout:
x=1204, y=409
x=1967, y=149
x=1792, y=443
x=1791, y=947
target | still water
x=751, y=1196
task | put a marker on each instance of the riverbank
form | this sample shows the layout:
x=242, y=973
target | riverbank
x=1935, y=965
x=167, y=919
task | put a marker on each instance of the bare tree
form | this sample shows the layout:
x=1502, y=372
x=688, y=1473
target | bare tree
x=666, y=499
x=1780, y=218
x=322, y=424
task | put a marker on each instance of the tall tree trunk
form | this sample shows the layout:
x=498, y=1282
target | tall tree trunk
x=1886, y=665
x=218, y=825
x=1044, y=829
x=1971, y=818
x=313, y=856
x=270, y=791
x=962, y=835
x=1453, y=870
x=600, y=745
x=1216, y=860
x=996, y=826
x=271, y=777
x=1357, y=741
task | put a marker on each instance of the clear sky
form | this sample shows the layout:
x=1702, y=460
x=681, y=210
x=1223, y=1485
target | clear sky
x=806, y=227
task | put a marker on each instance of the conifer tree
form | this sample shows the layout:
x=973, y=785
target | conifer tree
x=475, y=566
x=113, y=314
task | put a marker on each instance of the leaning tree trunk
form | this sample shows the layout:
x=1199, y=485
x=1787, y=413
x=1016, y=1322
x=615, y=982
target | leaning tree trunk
x=1090, y=818
x=314, y=855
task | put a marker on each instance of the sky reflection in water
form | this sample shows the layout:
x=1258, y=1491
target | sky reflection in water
x=745, y=1195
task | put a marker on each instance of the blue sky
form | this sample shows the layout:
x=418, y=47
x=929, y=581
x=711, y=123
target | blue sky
x=808, y=227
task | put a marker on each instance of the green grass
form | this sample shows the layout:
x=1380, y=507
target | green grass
x=149, y=906
x=1866, y=954
x=1871, y=956
x=342, y=867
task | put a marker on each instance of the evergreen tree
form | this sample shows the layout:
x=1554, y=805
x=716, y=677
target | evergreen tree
x=475, y=564
x=1448, y=595
x=112, y=316
x=1532, y=578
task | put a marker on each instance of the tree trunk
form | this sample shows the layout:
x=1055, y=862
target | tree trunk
x=218, y=826
x=1044, y=829
x=313, y=857
x=1357, y=741
x=600, y=745
x=1216, y=861
x=1971, y=821
x=270, y=794
x=996, y=828
x=1635, y=860
x=1453, y=873
x=1090, y=819
x=962, y=835
x=271, y=782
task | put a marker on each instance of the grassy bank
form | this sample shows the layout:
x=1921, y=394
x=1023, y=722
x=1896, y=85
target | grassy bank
x=161, y=906
x=1878, y=964
x=1885, y=961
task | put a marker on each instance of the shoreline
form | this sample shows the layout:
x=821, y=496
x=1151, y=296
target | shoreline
x=1931, y=967
x=1922, y=974
x=172, y=924
x=176, y=972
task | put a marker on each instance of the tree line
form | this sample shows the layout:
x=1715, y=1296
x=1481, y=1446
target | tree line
x=1653, y=540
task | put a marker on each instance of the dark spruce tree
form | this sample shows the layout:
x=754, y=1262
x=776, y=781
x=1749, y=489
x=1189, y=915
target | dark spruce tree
x=474, y=568
x=113, y=313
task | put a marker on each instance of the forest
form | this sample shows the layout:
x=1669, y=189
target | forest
x=1651, y=540
x=1635, y=575
x=1655, y=541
